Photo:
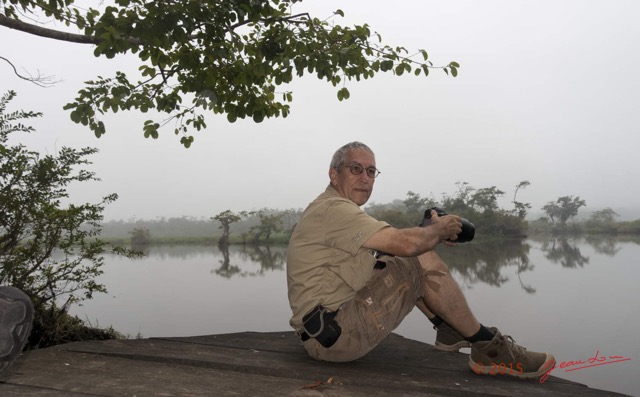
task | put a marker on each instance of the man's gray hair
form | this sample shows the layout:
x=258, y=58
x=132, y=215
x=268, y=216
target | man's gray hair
x=340, y=156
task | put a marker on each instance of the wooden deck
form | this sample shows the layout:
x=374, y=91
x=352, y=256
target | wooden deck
x=258, y=364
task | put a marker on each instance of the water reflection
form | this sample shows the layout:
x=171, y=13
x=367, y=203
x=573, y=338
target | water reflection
x=269, y=258
x=478, y=262
x=564, y=252
x=483, y=262
x=226, y=270
x=182, y=252
x=604, y=245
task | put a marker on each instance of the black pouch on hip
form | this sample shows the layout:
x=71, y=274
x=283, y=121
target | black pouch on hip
x=320, y=324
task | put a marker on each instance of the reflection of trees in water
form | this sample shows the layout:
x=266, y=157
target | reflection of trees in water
x=628, y=238
x=226, y=270
x=473, y=262
x=482, y=262
x=270, y=258
x=180, y=251
x=565, y=250
x=141, y=250
x=560, y=250
x=604, y=245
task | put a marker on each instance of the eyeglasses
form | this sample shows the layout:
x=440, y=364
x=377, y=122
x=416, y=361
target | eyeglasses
x=356, y=169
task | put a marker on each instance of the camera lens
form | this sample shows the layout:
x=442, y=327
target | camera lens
x=468, y=229
x=467, y=233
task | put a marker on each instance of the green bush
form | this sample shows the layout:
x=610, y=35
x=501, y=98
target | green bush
x=48, y=249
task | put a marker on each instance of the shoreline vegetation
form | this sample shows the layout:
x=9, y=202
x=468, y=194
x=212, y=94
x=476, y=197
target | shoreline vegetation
x=273, y=226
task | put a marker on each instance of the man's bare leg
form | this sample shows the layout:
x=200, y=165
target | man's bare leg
x=424, y=309
x=447, y=338
x=448, y=302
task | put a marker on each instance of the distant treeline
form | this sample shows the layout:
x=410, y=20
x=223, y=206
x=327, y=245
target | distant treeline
x=480, y=206
x=264, y=225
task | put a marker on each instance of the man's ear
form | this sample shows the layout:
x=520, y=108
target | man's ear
x=332, y=175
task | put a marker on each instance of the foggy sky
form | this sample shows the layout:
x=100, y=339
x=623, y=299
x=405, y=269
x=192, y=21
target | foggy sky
x=548, y=91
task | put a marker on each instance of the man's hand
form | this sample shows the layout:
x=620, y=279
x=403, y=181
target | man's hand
x=467, y=231
x=448, y=227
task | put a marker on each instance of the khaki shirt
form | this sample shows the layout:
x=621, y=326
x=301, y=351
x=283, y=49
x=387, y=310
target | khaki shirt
x=326, y=263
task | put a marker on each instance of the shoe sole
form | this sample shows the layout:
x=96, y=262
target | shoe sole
x=483, y=369
x=15, y=325
x=451, y=348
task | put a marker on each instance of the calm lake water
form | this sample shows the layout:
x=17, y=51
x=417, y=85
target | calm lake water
x=576, y=298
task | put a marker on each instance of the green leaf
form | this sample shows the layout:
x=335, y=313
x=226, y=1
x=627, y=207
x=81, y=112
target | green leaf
x=150, y=129
x=339, y=12
x=186, y=141
x=75, y=116
x=386, y=65
x=343, y=94
x=258, y=116
x=100, y=128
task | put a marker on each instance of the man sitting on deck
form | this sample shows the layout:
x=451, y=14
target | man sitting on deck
x=352, y=278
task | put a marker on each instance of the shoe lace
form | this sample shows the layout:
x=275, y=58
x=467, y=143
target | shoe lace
x=515, y=351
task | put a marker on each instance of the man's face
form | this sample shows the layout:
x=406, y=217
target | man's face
x=356, y=188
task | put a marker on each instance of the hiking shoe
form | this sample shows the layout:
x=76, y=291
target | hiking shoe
x=448, y=339
x=16, y=317
x=502, y=356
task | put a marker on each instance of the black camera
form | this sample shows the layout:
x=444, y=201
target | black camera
x=468, y=229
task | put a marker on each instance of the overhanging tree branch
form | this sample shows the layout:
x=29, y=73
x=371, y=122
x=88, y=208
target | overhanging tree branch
x=46, y=32
x=227, y=57
x=39, y=80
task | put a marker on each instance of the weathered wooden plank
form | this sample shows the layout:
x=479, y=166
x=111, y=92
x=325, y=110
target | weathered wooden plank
x=15, y=390
x=69, y=373
x=261, y=364
x=111, y=376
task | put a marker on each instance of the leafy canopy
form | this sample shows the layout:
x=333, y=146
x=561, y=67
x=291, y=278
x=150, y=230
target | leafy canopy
x=221, y=56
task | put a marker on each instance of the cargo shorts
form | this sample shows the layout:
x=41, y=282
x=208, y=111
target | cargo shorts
x=375, y=311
